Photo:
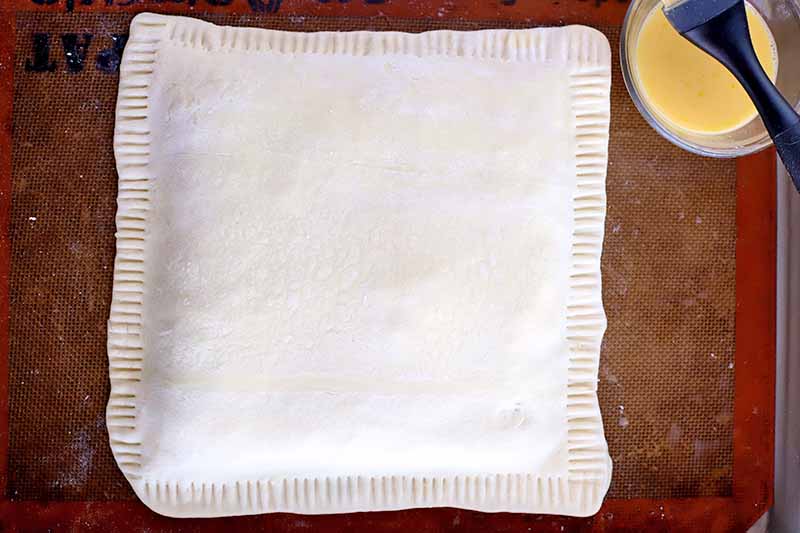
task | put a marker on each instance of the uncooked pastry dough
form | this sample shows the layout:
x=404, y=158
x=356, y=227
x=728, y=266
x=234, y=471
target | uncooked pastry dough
x=359, y=271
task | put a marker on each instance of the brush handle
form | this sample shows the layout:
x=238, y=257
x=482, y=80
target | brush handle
x=727, y=38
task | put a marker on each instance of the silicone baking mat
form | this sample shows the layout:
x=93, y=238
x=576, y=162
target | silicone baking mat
x=669, y=360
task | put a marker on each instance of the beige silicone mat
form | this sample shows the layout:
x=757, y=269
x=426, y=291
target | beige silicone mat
x=666, y=375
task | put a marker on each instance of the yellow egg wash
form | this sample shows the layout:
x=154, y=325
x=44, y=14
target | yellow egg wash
x=689, y=88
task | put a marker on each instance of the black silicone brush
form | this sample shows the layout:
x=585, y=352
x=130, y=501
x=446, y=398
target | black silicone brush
x=719, y=27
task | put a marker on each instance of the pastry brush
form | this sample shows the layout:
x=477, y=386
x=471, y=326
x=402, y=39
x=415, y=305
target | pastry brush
x=719, y=27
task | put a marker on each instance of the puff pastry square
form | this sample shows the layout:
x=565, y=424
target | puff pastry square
x=359, y=271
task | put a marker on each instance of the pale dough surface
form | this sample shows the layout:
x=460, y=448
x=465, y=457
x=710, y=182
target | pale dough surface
x=359, y=271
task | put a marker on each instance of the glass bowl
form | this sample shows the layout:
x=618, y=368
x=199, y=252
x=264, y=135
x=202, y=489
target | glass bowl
x=783, y=19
